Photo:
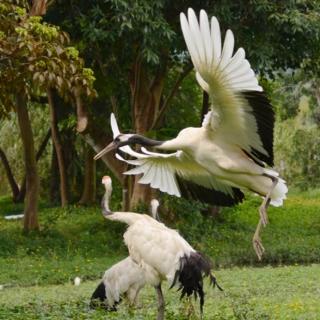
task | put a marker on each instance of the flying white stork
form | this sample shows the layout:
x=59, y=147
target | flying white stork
x=232, y=148
x=125, y=278
x=162, y=253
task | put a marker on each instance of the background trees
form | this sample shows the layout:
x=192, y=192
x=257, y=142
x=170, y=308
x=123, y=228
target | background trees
x=34, y=59
x=144, y=75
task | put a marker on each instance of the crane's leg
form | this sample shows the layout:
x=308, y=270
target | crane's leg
x=189, y=307
x=257, y=244
x=160, y=303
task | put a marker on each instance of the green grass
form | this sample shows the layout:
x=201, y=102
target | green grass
x=249, y=293
x=79, y=241
x=38, y=269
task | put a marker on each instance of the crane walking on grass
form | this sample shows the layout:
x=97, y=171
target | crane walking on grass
x=125, y=278
x=230, y=152
x=161, y=252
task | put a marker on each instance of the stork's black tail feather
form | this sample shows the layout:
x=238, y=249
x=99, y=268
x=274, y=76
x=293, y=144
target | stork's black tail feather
x=190, y=276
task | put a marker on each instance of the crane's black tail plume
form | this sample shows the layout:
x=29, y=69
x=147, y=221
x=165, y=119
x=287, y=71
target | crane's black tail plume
x=190, y=276
x=99, y=299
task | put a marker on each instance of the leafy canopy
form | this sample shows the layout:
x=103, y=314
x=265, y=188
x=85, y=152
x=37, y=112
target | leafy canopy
x=34, y=56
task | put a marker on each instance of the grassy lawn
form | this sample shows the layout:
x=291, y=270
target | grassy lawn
x=37, y=270
x=249, y=293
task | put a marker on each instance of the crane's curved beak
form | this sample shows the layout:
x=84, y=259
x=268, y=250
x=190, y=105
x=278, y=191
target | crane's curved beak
x=111, y=146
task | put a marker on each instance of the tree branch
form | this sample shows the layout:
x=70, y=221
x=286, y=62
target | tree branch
x=13, y=184
x=171, y=94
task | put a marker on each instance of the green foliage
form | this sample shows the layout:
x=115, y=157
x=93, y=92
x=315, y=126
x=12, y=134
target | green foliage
x=298, y=154
x=35, y=55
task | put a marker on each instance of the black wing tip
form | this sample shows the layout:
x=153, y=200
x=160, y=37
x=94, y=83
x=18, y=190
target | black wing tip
x=196, y=192
x=264, y=114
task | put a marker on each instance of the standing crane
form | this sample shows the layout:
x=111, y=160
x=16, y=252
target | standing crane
x=124, y=278
x=230, y=152
x=162, y=253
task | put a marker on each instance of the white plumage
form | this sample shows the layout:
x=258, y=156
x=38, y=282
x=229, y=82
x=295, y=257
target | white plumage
x=125, y=278
x=161, y=252
x=232, y=148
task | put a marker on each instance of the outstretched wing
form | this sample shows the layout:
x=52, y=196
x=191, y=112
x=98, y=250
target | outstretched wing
x=177, y=174
x=240, y=112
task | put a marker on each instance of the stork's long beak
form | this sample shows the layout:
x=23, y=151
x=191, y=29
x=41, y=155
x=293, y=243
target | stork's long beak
x=111, y=146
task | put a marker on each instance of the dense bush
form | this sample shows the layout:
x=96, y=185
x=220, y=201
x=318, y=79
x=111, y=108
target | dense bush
x=297, y=153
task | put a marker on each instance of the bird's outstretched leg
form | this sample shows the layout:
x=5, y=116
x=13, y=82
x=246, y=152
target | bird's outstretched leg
x=160, y=303
x=266, y=201
x=257, y=244
x=256, y=241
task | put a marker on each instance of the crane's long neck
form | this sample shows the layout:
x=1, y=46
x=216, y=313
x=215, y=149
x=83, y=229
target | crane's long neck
x=105, y=202
x=154, y=209
x=125, y=217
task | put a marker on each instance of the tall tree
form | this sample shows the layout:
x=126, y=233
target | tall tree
x=34, y=56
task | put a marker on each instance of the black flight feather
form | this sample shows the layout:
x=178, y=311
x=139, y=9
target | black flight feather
x=194, y=191
x=264, y=114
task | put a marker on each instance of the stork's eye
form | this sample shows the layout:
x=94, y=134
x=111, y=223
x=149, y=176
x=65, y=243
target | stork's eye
x=117, y=140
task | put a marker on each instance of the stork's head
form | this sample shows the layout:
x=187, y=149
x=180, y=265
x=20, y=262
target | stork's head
x=127, y=139
x=119, y=141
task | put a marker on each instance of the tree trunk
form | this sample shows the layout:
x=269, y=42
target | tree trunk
x=32, y=178
x=12, y=182
x=54, y=179
x=146, y=95
x=22, y=192
x=82, y=115
x=89, y=187
x=59, y=149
